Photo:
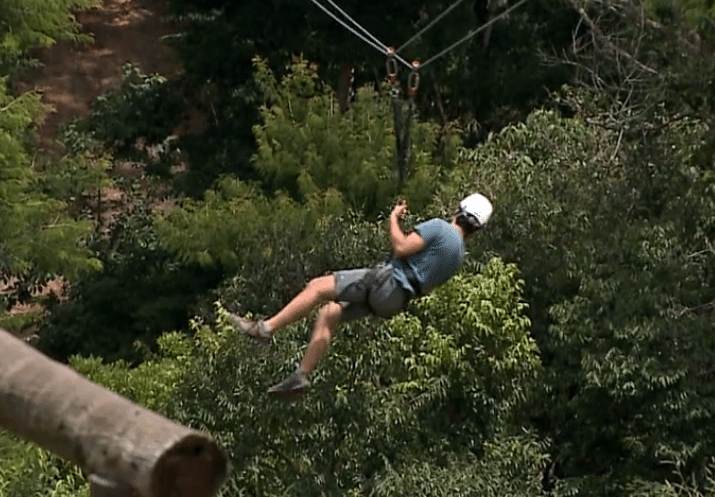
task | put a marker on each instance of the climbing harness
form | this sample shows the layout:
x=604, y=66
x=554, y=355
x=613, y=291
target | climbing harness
x=361, y=291
x=374, y=279
x=403, y=120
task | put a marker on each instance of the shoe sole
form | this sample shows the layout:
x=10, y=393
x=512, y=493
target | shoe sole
x=288, y=394
x=243, y=329
x=292, y=397
x=259, y=342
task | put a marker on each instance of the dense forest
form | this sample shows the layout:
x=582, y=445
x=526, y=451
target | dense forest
x=570, y=356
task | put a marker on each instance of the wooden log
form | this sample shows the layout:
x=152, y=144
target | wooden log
x=101, y=487
x=102, y=432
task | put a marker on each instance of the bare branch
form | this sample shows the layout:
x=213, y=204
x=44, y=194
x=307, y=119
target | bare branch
x=598, y=35
x=8, y=106
x=618, y=145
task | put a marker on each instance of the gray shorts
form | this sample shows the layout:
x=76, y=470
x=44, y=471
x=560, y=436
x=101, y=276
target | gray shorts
x=365, y=292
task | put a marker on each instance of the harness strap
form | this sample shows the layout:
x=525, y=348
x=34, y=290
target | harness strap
x=409, y=274
x=375, y=279
x=399, y=133
x=412, y=279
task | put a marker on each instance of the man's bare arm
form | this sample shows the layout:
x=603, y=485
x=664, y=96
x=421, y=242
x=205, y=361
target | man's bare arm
x=403, y=246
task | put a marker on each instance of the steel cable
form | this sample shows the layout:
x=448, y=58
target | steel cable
x=372, y=40
x=435, y=21
x=471, y=33
x=355, y=23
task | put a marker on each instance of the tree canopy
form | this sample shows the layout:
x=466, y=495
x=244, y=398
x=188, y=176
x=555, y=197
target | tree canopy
x=38, y=238
x=573, y=354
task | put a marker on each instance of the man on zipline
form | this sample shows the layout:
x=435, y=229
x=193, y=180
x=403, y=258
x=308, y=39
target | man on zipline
x=420, y=261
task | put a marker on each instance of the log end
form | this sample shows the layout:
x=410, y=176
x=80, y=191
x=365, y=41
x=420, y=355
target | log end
x=193, y=467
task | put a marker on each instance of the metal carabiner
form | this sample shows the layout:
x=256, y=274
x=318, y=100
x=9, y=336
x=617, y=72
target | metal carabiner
x=413, y=82
x=391, y=65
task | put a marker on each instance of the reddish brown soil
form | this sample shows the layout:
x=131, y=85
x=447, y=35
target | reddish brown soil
x=74, y=75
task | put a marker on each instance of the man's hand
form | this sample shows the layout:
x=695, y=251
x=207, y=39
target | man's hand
x=400, y=210
x=403, y=246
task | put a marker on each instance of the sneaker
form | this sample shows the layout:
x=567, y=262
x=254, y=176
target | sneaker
x=295, y=385
x=253, y=329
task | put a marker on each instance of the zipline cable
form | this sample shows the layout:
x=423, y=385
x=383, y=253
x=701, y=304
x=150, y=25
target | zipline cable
x=472, y=33
x=357, y=25
x=435, y=21
x=402, y=122
x=371, y=40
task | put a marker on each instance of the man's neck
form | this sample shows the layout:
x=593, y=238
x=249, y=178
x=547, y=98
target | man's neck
x=454, y=223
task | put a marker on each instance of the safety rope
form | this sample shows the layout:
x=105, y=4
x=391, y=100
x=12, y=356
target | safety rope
x=391, y=66
x=402, y=133
x=382, y=48
x=413, y=85
x=402, y=121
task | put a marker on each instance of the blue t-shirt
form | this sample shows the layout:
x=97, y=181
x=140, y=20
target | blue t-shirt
x=438, y=261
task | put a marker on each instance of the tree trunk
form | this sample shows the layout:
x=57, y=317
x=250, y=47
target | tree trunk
x=488, y=31
x=103, y=433
x=345, y=85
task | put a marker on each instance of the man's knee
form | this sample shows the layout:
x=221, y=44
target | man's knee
x=325, y=324
x=330, y=313
x=324, y=286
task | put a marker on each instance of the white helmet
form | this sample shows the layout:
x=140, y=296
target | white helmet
x=477, y=207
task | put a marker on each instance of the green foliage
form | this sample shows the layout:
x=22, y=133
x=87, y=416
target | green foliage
x=44, y=474
x=29, y=23
x=306, y=145
x=20, y=322
x=690, y=487
x=268, y=248
x=419, y=389
x=37, y=237
x=74, y=177
x=486, y=358
x=659, y=54
x=13, y=453
x=150, y=384
x=141, y=292
x=615, y=279
x=28, y=470
x=38, y=240
x=699, y=14
x=508, y=467
x=133, y=123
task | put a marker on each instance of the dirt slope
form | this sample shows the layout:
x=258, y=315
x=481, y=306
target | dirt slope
x=73, y=75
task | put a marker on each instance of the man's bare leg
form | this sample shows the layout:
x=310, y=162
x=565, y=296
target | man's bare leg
x=297, y=383
x=318, y=290
x=325, y=324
